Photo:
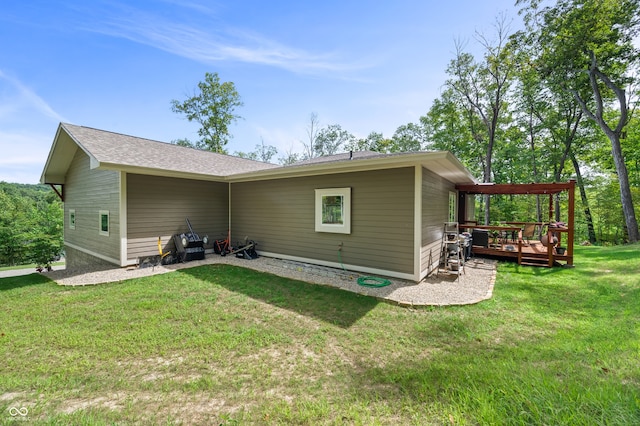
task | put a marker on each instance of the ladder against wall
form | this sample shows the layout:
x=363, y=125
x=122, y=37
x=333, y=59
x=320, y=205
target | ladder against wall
x=451, y=252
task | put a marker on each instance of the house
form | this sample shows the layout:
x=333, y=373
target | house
x=374, y=213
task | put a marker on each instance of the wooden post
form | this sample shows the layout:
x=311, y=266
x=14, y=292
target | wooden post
x=549, y=234
x=571, y=221
x=519, y=251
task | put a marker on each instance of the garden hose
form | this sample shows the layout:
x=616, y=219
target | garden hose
x=374, y=282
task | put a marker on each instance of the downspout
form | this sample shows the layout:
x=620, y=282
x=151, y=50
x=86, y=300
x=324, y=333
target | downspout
x=229, y=210
x=123, y=221
x=417, y=226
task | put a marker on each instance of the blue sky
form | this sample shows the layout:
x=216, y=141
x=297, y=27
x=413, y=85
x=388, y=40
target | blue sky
x=116, y=65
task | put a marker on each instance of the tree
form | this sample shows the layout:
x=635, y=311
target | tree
x=373, y=142
x=31, y=221
x=408, y=138
x=451, y=126
x=312, y=134
x=590, y=44
x=289, y=158
x=262, y=152
x=331, y=140
x=212, y=106
x=45, y=240
x=483, y=87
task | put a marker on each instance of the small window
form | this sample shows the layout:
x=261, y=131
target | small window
x=452, y=206
x=333, y=210
x=72, y=218
x=104, y=222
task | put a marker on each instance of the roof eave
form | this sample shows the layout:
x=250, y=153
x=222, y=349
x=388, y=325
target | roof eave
x=44, y=179
x=159, y=172
x=458, y=173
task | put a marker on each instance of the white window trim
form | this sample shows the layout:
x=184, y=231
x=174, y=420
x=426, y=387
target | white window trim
x=72, y=218
x=453, y=207
x=345, y=226
x=100, y=231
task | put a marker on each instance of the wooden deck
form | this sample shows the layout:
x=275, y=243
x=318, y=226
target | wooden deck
x=525, y=252
x=531, y=253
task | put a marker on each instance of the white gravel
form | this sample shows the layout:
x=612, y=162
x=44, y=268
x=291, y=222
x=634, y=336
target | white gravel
x=473, y=286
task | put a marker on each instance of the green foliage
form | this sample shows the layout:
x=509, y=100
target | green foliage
x=407, y=138
x=330, y=140
x=262, y=153
x=212, y=106
x=31, y=223
x=587, y=48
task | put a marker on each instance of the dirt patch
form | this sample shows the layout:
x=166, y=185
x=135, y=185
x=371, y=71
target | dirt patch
x=11, y=396
x=113, y=402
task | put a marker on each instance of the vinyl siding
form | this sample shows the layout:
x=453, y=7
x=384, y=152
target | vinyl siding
x=88, y=192
x=435, y=208
x=279, y=216
x=158, y=207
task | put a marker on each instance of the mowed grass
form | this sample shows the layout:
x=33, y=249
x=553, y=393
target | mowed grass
x=225, y=345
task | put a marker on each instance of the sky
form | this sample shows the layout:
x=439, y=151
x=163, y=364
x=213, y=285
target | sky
x=368, y=66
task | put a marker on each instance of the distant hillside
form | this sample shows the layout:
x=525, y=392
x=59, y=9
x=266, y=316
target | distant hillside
x=31, y=222
x=32, y=191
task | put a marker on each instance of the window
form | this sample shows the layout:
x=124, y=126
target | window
x=452, y=206
x=104, y=222
x=333, y=210
x=72, y=218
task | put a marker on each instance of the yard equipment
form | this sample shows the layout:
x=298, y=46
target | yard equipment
x=222, y=247
x=247, y=250
x=189, y=246
x=163, y=258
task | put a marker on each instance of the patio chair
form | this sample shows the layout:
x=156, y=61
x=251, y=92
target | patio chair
x=529, y=231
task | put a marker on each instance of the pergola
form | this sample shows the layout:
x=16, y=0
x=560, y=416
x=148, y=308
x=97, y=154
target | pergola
x=526, y=254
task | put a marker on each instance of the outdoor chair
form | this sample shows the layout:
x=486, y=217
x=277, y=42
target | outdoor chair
x=528, y=231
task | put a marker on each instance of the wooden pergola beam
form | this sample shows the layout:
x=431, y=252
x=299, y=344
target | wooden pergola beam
x=534, y=188
x=517, y=188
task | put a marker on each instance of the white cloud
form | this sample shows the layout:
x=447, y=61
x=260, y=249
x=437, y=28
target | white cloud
x=24, y=152
x=215, y=43
x=23, y=97
x=23, y=156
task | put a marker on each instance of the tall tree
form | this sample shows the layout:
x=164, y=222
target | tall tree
x=408, y=138
x=212, y=106
x=590, y=44
x=373, y=142
x=483, y=86
x=451, y=126
x=312, y=133
x=331, y=140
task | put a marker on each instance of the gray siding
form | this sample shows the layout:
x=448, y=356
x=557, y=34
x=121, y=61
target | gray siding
x=279, y=216
x=435, y=211
x=158, y=207
x=89, y=191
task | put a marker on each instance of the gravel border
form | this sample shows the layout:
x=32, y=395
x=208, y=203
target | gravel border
x=472, y=286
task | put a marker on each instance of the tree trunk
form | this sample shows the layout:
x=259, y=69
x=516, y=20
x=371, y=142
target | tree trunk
x=625, y=190
x=585, y=202
x=614, y=136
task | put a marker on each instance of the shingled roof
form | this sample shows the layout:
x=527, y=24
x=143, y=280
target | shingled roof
x=116, y=151
x=130, y=154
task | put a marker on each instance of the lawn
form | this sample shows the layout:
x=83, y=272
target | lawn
x=224, y=345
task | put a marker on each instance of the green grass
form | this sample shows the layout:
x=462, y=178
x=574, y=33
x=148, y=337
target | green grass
x=225, y=345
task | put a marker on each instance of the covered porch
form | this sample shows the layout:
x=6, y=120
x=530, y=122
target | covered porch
x=551, y=242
